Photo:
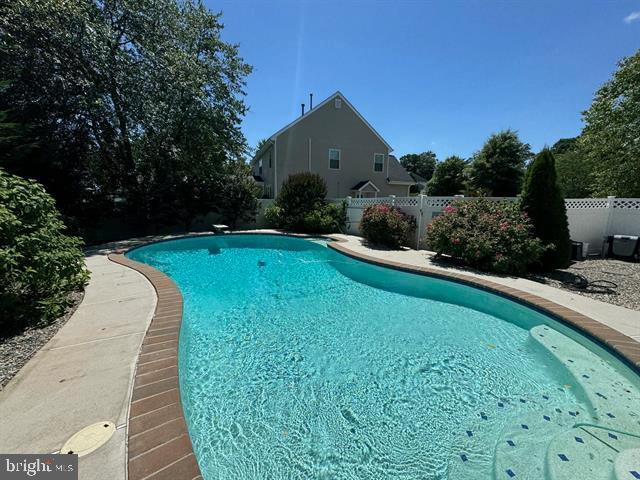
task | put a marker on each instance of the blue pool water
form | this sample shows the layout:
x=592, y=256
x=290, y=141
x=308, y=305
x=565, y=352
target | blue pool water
x=297, y=362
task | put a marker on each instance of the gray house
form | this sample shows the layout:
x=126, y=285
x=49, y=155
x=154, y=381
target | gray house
x=335, y=141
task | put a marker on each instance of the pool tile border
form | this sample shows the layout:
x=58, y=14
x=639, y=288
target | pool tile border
x=625, y=347
x=158, y=442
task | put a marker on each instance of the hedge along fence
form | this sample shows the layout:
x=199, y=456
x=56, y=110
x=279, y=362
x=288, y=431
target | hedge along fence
x=590, y=219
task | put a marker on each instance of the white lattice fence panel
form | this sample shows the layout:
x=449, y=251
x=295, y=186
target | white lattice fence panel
x=407, y=201
x=365, y=202
x=626, y=203
x=586, y=203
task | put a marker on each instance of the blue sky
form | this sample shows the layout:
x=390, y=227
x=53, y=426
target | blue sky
x=438, y=76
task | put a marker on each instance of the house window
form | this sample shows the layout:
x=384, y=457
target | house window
x=334, y=159
x=260, y=167
x=269, y=159
x=338, y=103
x=378, y=162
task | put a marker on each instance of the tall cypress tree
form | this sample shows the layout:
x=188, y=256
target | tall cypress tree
x=542, y=200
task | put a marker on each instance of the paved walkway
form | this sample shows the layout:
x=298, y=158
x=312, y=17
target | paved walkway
x=84, y=374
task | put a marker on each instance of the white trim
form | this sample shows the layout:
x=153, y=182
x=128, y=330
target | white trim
x=324, y=102
x=339, y=158
x=275, y=169
x=369, y=182
x=374, y=162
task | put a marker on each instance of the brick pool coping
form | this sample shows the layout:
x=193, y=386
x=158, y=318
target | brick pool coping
x=158, y=442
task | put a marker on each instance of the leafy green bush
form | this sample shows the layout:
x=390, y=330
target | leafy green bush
x=326, y=219
x=542, y=201
x=490, y=236
x=238, y=195
x=273, y=216
x=385, y=225
x=39, y=265
x=301, y=194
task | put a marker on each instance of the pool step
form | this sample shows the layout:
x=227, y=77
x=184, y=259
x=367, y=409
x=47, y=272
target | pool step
x=522, y=448
x=613, y=399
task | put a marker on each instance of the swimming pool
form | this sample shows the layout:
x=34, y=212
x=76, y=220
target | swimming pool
x=296, y=361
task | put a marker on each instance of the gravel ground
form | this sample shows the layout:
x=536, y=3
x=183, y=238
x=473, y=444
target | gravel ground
x=16, y=351
x=625, y=275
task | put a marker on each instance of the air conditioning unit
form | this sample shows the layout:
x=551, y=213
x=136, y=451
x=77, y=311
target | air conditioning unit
x=625, y=247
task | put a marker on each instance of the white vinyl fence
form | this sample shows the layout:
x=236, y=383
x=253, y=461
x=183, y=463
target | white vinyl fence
x=590, y=219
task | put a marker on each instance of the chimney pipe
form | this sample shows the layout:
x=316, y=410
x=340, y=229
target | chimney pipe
x=310, y=101
x=302, y=105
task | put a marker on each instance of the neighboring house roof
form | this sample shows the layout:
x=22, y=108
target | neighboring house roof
x=397, y=174
x=325, y=101
x=417, y=178
x=361, y=185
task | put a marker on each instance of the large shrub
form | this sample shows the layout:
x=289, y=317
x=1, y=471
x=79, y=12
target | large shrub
x=39, y=265
x=491, y=236
x=385, y=225
x=542, y=201
x=238, y=195
x=329, y=218
x=300, y=194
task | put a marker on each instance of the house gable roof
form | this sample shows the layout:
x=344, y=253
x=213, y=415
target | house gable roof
x=324, y=102
x=361, y=185
x=396, y=173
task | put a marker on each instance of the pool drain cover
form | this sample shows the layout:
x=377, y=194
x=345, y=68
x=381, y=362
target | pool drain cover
x=88, y=439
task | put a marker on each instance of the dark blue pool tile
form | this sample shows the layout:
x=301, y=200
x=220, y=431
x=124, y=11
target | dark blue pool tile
x=601, y=395
x=511, y=443
x=524, y=426
x=469, y=433
x=579, y=440
x=573, y=414
x=611, y=415
x=547, y=418
x=522, y=400
x=511, y=473
x=463, y=457
x=500, y=404
x=558, y=410
x=483, y=415
x=546, y=397
x=635, y=474
x=563, y=457
x=585, y=376
x=613, y=435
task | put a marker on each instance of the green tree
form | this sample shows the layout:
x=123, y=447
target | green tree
x=422, y=164
x=448, y=178
x=542, y=201
x=574, y=172
x=612, y=129
x=497, y=169
x=136, y=105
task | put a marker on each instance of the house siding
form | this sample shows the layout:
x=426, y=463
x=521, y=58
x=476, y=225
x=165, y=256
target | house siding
x=334, y=128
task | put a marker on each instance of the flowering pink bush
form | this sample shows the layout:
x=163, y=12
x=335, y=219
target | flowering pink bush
x=491, y=236
x=385, y=225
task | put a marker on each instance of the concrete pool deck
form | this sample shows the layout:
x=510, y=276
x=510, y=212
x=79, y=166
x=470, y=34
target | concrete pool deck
x=85, y=374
